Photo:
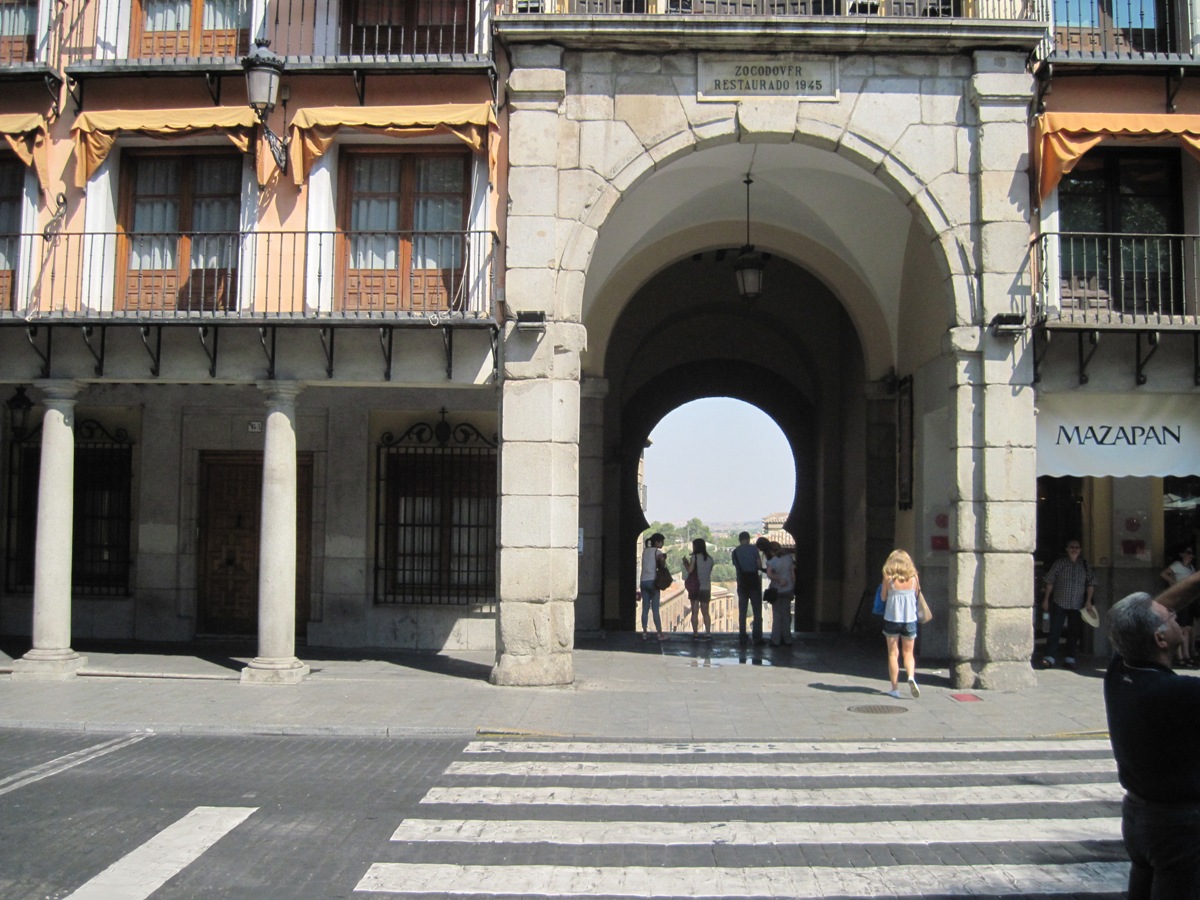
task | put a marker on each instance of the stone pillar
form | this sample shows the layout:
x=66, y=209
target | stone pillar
x=539, y=396
x=992, y=407
x=51, y=656
x=539, y=513
x=276, y=662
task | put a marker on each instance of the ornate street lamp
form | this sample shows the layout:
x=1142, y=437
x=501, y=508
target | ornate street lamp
x=748, y=267
x=18, y=410
x=263, y=69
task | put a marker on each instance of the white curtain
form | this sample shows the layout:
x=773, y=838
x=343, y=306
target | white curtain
x=418, y=551
x=167, y=15
x=18, y=19
x=155, y=240
x=438, y=209
x=215, y=218
x=375, y=213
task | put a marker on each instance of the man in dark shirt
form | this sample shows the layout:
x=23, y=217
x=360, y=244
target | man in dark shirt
x=1154, y=726
x=1069, y=583
x=749, y=585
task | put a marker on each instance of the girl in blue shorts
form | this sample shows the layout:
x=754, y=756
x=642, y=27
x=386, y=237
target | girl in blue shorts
x=899, y=592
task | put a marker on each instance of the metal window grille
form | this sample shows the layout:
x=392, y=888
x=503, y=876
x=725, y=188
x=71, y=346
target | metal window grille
x=436, y=516
x=103, y=511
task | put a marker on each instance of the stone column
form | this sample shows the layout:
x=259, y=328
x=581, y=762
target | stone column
x=539, y=397
x=51, y=656
x=276, y=662
x=992, y=407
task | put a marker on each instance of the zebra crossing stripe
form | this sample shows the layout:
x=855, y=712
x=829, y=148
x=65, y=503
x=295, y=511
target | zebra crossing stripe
x=741, y=833
x=140, y=873
x=982, y=795
x=724, y=771
x=68, y=761
x=770, y=748
x=790, y=882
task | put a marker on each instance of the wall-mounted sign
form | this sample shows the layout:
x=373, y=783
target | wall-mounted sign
x=725, y=78
x=1118, y=434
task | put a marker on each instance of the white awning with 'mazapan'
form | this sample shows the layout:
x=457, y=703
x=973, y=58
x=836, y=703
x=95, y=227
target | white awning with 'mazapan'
x=1118, y=435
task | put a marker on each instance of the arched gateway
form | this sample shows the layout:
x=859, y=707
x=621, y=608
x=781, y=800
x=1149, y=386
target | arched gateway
x=895, y=215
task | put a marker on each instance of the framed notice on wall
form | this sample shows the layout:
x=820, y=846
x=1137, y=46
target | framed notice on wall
x=904, y=441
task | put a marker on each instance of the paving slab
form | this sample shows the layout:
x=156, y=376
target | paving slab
x=824, y=687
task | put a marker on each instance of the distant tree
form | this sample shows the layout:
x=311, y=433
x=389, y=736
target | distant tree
x=669, y=532
x=697, y=529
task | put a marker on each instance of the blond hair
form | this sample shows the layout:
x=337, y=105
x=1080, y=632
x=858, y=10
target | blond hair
x=899, y=566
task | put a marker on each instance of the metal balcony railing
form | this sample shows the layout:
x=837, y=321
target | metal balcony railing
x=1119, y=279
x=1119, y=30
x=29, y=35
x=1026, y=10
x=253, y=276
x=157, y=33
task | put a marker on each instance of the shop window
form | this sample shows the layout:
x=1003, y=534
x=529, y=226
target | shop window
x=101, y=555
x=183, y=28
x=12, y=200
x=1181, y=513
x=179, y=240
x=403, y=230
x=436, y=516
x=417, y=27
x=1120, y=223
x=18, y=27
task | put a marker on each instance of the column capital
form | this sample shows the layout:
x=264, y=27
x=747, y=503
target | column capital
x=281, y=392
x=59, y=392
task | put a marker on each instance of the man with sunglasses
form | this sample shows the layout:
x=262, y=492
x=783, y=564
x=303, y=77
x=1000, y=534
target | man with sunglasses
x=1154, y=727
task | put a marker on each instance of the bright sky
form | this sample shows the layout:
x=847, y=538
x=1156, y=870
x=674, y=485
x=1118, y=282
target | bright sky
x=720, y=460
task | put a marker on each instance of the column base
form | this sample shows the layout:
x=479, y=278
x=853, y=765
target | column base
x=261, y=670
x=48, y=665
x=550, y=670
x=1003, y=675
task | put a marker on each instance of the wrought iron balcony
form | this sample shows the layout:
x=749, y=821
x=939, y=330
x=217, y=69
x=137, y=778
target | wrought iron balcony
x=802, y=9
x=255, y=276
x=1134, y=280
x=216, y=34
x=1119, y=31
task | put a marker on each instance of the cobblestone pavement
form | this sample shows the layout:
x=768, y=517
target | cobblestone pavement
x=128, y=816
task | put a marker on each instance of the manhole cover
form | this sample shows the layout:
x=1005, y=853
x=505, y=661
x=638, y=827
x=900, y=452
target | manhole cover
x=878, y=709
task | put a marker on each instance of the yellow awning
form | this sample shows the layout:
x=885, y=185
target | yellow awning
x=96, y=132
x=25, y=134
x=314, y=128
x=1062, y=138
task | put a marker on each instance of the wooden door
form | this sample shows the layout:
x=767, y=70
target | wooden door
x=228, y=547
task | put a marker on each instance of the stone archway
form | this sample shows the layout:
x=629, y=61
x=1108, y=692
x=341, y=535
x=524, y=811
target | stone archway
x=939, y=146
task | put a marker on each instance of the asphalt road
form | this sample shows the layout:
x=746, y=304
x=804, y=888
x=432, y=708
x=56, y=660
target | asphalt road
x=97, y=816
x=324, y=809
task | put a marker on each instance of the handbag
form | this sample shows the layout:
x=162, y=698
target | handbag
x=770, y=595
x=662, y=577
x=924, y=613
x=691, y=584
x=879, y=607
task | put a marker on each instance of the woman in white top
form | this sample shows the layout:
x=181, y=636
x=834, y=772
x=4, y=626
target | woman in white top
x=899, y=591
x=1183, y=566
x=651, y=556
x=702, y=564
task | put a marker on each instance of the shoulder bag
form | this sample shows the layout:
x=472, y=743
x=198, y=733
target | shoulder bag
x=924, y=613
x=662, y=575
x=691, y=584
x=879, y=607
